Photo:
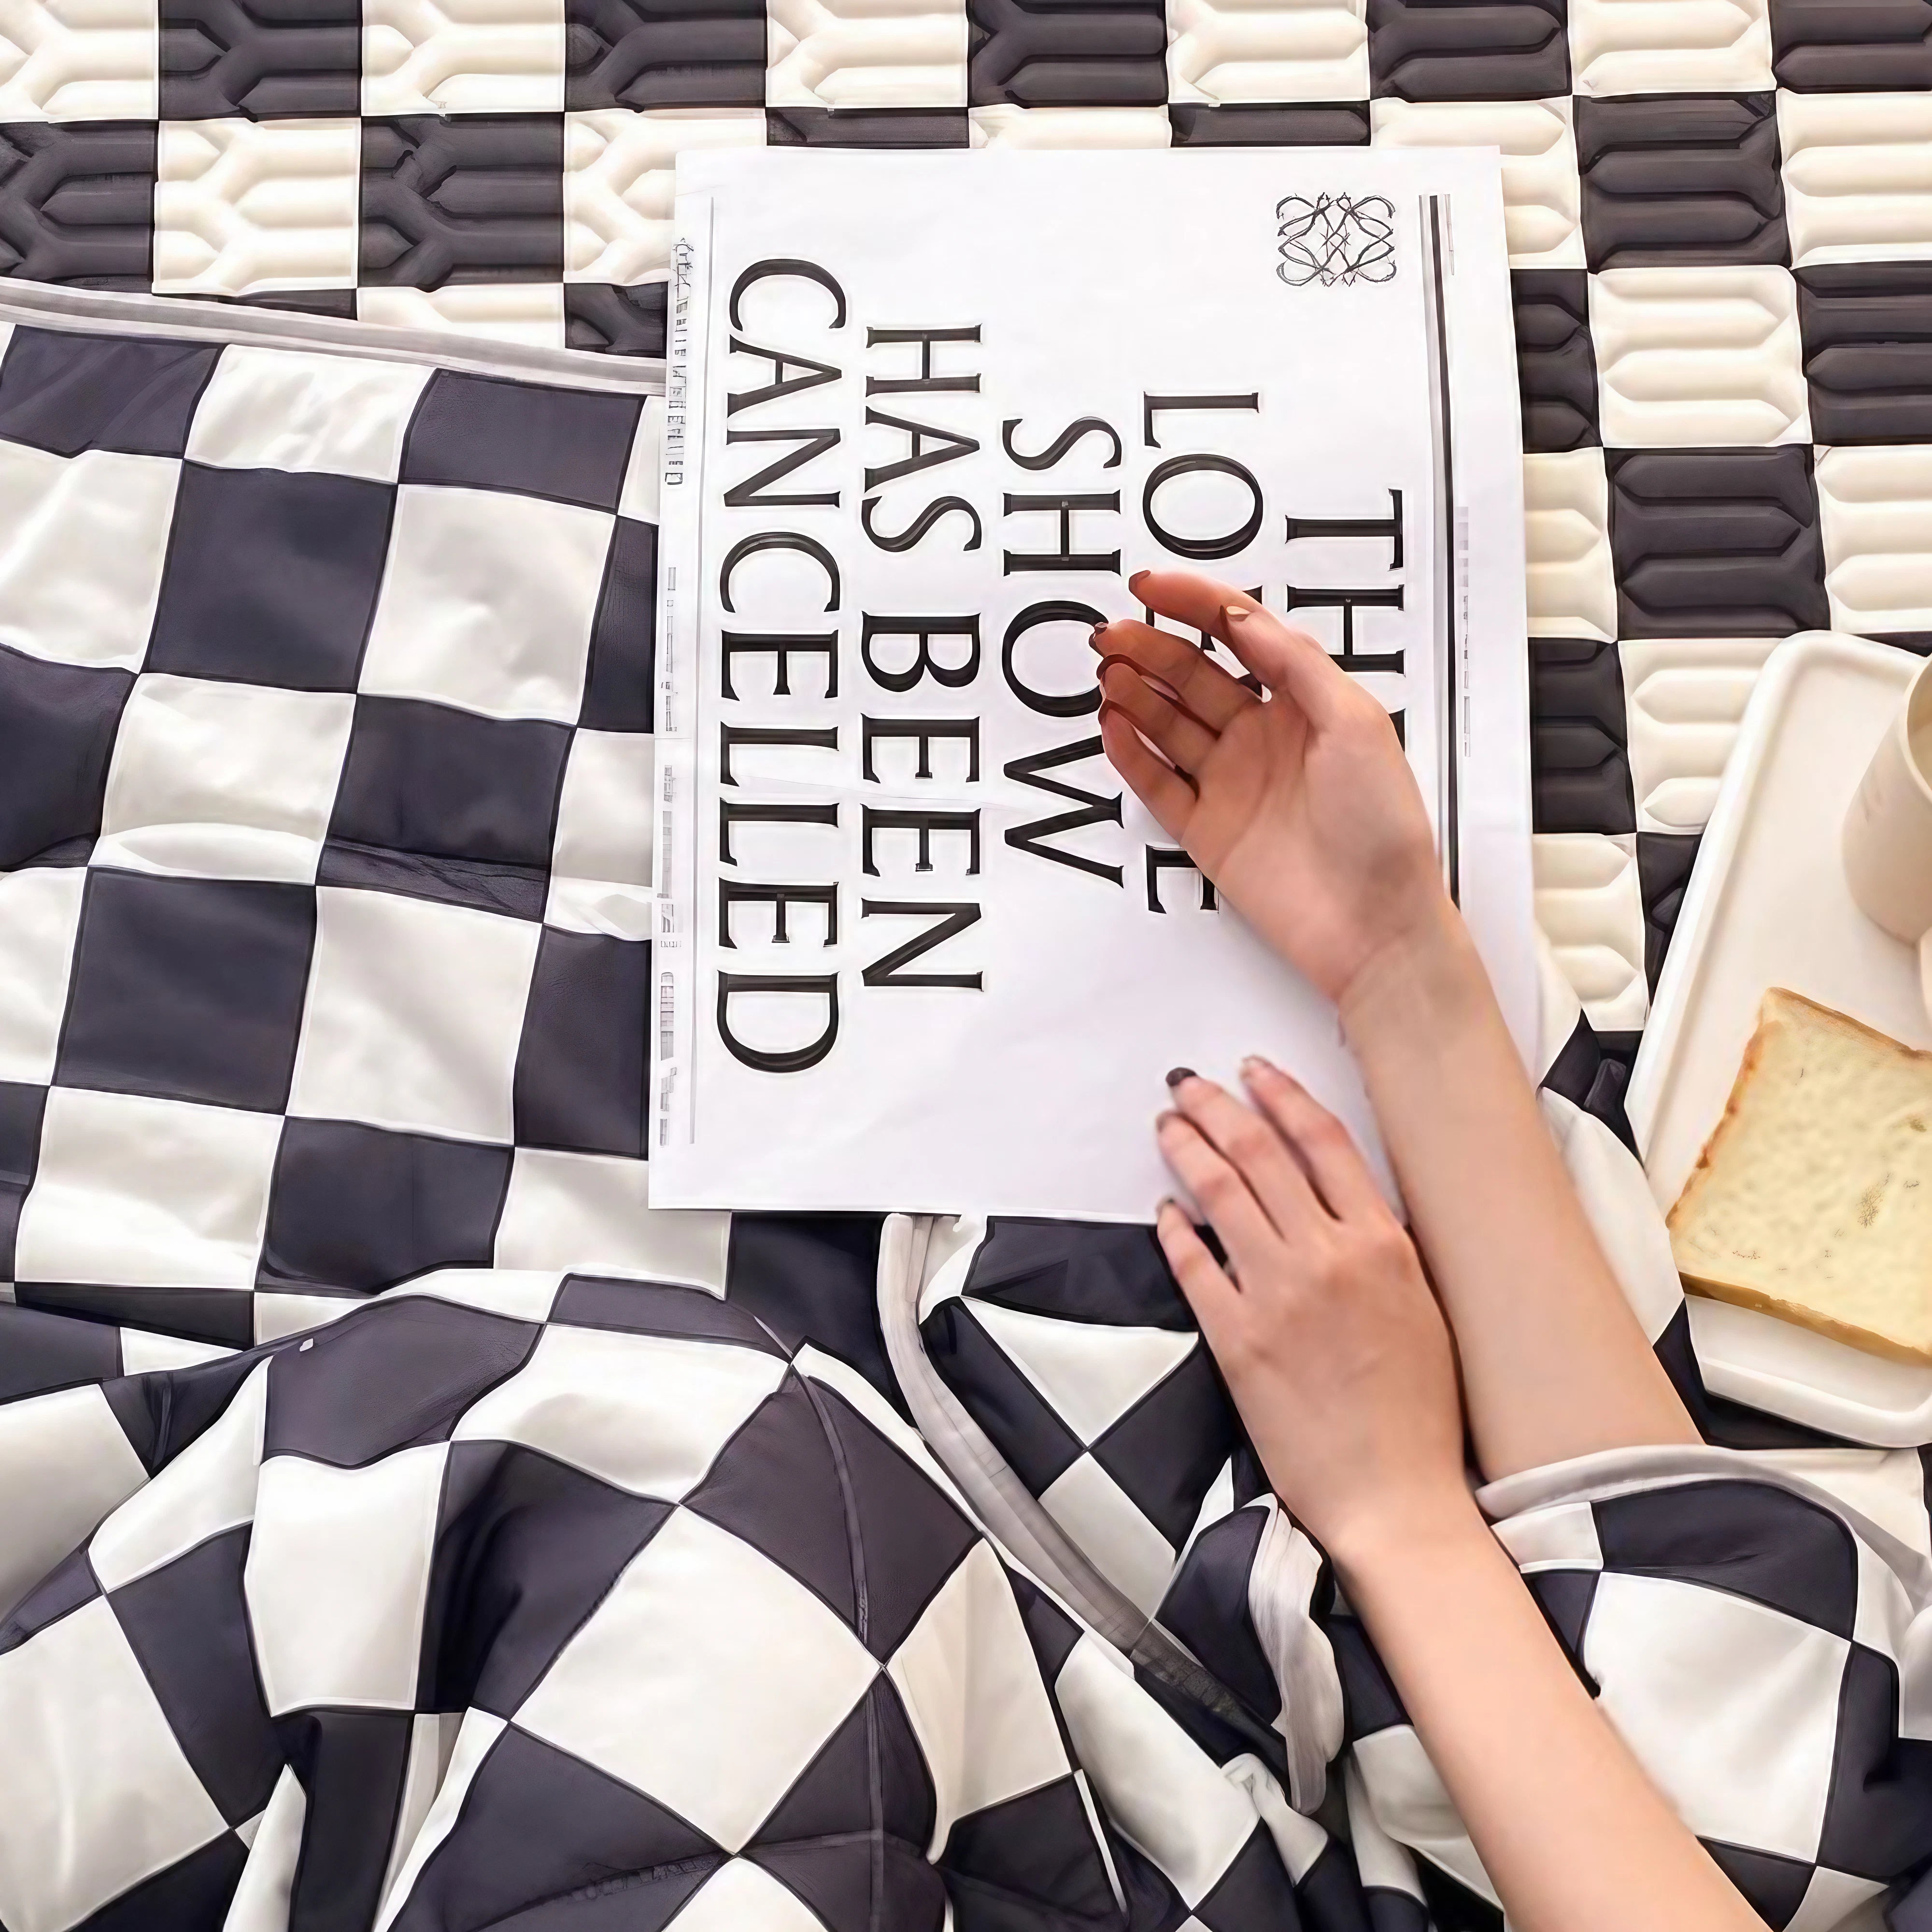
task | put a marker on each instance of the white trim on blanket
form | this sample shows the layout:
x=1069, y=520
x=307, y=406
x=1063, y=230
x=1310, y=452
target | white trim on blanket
x=39, y=305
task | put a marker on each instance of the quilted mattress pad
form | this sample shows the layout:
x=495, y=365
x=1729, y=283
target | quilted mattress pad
x=1720, y=216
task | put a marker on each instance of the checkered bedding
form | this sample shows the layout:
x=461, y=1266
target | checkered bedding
x=322, y=969
x=621, y=1566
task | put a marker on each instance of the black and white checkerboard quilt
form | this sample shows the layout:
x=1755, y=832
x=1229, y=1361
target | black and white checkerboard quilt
x=597, y=1578
x=326, y=691
x=517, y=1599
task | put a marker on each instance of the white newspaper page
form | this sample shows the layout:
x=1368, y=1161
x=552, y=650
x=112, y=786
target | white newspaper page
x=918, y=947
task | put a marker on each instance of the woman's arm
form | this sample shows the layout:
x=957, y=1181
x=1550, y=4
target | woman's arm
x=1303, y=812
x=1554, y=1363
x=1574, y=1836
x=1336, y=1354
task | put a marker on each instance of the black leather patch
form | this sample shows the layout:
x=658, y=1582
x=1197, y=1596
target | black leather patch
x=640, y=53
x=1664, y=863
x=472, y=198
x=1681, y=179
x=1716, y=542
x=866, y=127
x=77, y=203
x=1303, y=124
x=1071, y=53
x=267, y=59
x=1555, y=361
x=622, y=322
x=1580, y=771
x=295, y=301
x=1826, y=46
x=1469, y=49
x=1867, y=328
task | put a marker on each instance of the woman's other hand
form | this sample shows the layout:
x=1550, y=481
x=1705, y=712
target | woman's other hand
x=1302, y=810
x=1332, y=1346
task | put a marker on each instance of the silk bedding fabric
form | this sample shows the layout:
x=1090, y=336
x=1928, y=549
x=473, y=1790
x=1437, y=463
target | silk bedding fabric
x=401, y=1524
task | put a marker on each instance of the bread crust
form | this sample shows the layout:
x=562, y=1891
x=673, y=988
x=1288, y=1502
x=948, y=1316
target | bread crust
x=1776, y=1008
x=1866, y=1340
x=1754, y=1051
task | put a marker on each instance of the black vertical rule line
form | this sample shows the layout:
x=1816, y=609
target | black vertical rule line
x=1449, y=732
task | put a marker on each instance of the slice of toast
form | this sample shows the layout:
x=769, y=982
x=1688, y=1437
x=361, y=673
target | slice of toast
x=1813, y=1199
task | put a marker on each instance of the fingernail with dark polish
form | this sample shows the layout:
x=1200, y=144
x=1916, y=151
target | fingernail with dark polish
x=1176, y=1074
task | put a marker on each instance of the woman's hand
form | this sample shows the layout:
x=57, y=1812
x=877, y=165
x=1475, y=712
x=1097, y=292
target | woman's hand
x=1302, y=810
x=1338, y=1360
x=1331, y=1342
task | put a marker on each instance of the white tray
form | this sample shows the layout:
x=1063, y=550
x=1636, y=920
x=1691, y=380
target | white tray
x=1768, y=906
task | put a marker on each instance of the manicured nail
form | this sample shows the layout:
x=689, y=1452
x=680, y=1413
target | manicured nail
x=1176, y=1074
x=1133, y=582
x=1093, y=636
x=1234, y=612
x=1255, y=1064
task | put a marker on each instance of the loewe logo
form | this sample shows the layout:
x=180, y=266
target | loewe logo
x=1336, y=240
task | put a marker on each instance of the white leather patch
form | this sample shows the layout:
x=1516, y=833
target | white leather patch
x=246, y=205
x=1591, y=910
x=1226, y=51
x=504, y=311
x=79, y=60
x=1670, y=47
x=865, y=53
x=1698, y=357
x=462, y=56
x=1684, y=697
x=1858, y=187
x=1542, y=201
x=1876, y=502
x=1003, y=125
x=1573, y=591
x=620, y=179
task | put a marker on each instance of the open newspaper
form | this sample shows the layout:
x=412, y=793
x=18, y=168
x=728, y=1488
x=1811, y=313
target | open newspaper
x=918, y=948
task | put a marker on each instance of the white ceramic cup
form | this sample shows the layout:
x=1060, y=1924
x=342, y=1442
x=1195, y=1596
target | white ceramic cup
x=1888, y=842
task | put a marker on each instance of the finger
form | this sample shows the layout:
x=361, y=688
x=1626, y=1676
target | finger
x=1288, y=661
x=1159, y=787
x=1187, y=597
x=1326, y=1148
x=1214, y=1297
x=1180, y=737
x=1213, y=694
x=1246, y=1232
x=1256, y=1152
x=1156, y=683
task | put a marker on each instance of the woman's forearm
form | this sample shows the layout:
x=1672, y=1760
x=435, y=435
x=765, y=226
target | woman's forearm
x=1572, y=1834
x=1554, y=1363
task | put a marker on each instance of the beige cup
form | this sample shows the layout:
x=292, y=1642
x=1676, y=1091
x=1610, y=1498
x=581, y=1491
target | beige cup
x=1888, y=843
